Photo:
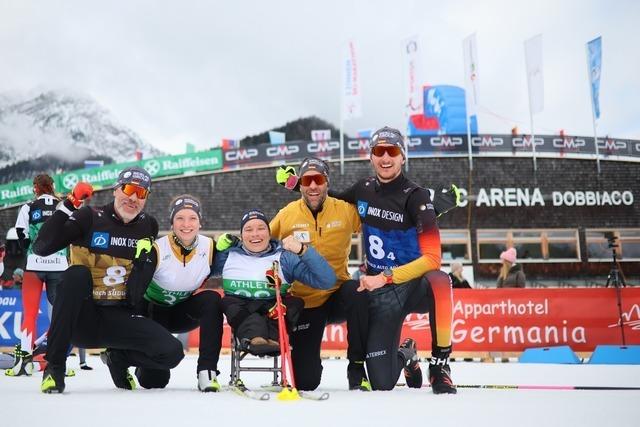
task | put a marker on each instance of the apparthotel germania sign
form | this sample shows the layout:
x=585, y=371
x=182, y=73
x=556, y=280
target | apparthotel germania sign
x=517, y=197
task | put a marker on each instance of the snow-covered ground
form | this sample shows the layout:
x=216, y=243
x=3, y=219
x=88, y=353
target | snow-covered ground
x=91, y=400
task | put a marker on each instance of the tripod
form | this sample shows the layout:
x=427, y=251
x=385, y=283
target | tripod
x=617, y=280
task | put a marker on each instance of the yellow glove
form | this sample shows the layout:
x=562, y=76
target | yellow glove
x=143, y=246
x=225, y=241
x=286, y=176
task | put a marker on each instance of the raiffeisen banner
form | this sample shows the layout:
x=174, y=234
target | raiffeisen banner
x=105, y=176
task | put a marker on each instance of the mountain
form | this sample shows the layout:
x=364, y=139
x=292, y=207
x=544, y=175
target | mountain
x=58, y=129
x=295, y=130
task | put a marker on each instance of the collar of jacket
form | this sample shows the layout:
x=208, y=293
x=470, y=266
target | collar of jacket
x=274, y=246
x=396, y=184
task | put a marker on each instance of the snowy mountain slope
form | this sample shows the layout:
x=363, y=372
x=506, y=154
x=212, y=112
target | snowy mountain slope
x=59, y=123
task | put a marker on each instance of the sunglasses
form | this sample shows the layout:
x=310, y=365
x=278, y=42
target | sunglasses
x=391, y=150
x=131, y=189
x=319, y=179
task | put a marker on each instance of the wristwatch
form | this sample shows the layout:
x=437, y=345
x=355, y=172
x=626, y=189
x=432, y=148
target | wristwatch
x=388, y=275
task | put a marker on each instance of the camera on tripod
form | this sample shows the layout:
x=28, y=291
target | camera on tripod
x=611, y=239
x=616, y=279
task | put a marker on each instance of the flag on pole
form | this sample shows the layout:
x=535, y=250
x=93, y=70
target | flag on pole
x=412, y=72
x=321, y=134
x=470, y=53
x=276, y=137
x=594, y=52
x=365, y=133
x=351, y=100
x=535, y=78
x=230, y=144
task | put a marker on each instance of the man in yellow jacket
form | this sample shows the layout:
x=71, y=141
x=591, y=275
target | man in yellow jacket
x=327, y=224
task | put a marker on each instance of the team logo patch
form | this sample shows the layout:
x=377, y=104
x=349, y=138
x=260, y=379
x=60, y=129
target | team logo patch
x=36, y=215
x=362, y=208
x=100, y=240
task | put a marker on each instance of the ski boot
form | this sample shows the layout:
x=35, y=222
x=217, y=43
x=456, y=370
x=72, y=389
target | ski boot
x=119, y=371
x=440, y=376
x=208, y=381
x=23, y=363
x=358, y=377
x=412, y=371
x=52, y=380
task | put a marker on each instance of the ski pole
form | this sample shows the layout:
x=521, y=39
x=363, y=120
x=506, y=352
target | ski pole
x=544, y=387
x=285, y=350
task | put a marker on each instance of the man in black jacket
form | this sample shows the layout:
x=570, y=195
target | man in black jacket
x=91, y=307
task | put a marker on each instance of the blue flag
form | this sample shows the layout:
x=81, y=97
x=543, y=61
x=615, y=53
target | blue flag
x=594, y=58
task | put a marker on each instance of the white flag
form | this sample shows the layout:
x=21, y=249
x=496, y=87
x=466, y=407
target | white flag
x=535, y=78
x=412, y=72
x=470, y=53
x=351, y=100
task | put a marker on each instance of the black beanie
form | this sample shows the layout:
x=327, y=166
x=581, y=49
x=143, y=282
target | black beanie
x=253, y=214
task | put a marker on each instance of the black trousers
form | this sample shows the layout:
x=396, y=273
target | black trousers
x=248, y=317
x=203, y=309
x=77, y=319
x=387, y=309
x=345, y=304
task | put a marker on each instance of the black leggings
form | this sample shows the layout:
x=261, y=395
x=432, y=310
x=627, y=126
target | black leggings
x=203, y=309
x=345, y=304
x=387, y=309
x=77, y=319
x=248, y=317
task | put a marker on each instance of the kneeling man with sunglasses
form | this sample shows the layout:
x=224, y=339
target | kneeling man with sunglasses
x=402, y=246
x=91, y=309
x=327, y=224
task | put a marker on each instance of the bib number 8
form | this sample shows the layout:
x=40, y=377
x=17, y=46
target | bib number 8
x=115, y=275
x=377, y=251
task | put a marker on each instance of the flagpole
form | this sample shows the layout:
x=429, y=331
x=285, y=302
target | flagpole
x=533, y=138
x=341, y=144
x=593, y=112
x=533, y=63
x=469, y=57
x=469, y=140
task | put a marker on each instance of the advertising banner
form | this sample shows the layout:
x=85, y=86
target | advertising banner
x=16, y=192
x=471, y=75
x=535, y=79
x=351, y=97
x=515, y=319
x=594, y=59
x=293, y=152
x=157, y=167
x=11, y=317
x=412, y=71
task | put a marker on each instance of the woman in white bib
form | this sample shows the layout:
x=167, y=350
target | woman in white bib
x=249, y=301
x=168, y=279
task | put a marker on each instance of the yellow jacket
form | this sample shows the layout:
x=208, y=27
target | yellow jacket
x=329, y=233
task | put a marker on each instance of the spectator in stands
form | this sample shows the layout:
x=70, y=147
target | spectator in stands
x=511, y=274
x=457, y=279
x=16, y=280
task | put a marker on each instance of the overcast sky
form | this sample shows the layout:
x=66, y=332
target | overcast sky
x=198, y=71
